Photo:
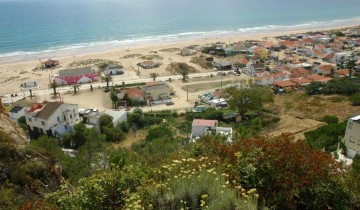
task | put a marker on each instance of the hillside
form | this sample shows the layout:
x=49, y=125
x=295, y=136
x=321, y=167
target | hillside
x=7, y=125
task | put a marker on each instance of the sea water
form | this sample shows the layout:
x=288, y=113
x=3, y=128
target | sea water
x=33, y=29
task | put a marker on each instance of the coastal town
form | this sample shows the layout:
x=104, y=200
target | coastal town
x=226, y=88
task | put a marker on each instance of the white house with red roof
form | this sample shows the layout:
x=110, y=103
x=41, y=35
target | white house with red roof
x=202, y=127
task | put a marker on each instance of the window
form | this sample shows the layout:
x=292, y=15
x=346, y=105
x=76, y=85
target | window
x=29, y=119
x=352, y=139
x=65, y=127
x=64, y=118
x=58, y=119
x=42, y=122
x=70, y=116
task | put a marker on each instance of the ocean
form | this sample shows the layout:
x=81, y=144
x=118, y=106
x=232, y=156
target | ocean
x=33, y=29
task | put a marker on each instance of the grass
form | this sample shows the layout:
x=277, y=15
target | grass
x=314, y=107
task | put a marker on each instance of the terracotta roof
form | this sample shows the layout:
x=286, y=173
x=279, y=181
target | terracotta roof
x=50, y=62
x=48, y=110
x=299, y=72
x=259, y=50
x=133, y=92
x=268, y=44
x=318, y=53
x=301, y=80
x=326, y=67
x=244, y=61
x=147, y=62
x=329, y=56
x=285, y=83
x=211, y=123
x=318, y=78
x=307, y=40
x=344, y=72
x=287, y=43
x=320, y=46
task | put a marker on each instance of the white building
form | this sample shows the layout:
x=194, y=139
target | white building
x=118, y=116
x=201, y=128
x=52, y=118
x=16, y=112
x=29, y=85
x=352, y=136
x=113, y=70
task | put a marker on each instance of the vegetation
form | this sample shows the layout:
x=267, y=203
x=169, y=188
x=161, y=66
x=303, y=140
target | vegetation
x=165, y=171
x=355, y=99
x=326, y=137
x=343, y=86
x=248, y=96
x=154, y=75
x=329, y=119
x=181, y=68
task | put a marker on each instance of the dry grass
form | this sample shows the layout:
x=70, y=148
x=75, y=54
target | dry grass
x=301, y=113
x=314, y=107
x=131, y=138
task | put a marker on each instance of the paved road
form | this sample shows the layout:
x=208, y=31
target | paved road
x=21, y=95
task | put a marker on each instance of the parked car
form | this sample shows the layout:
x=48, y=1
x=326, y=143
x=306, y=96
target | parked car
x=169, y=103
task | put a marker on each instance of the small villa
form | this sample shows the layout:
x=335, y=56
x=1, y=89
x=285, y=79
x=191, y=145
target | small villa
x=76, y=76
x=201, y=128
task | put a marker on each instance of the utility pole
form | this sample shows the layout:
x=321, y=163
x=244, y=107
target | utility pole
x=187, y=93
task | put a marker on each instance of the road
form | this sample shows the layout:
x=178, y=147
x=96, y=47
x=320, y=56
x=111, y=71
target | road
x=6, y=98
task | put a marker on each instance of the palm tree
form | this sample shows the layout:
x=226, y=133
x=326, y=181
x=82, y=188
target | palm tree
x=108, y=79
x=53, y=85
x=184, y=72
x=154, y=75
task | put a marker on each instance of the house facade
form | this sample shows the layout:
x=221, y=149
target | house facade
x=75, y=76
x=16, y=112
x=352, y=136
x=201, y=128
x=113, y=70
x=29, y=85
x=52, y=118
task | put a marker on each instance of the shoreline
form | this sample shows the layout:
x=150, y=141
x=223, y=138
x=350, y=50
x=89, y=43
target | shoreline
x=172, y=39
x=15, y=73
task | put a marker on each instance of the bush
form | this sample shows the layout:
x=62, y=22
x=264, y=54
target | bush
x=326, y=137
x=159, y=132
x=355, y=99
x=329, y=119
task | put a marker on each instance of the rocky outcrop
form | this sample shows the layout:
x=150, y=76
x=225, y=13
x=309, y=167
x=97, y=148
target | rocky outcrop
x=8, y=126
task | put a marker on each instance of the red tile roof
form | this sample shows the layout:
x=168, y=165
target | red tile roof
x=343, y=72
x=299, y=72
x=326, y=67
x=133, y=92
x=318, y=78
x=301, y=80
x=285, y=83
x=211, y=123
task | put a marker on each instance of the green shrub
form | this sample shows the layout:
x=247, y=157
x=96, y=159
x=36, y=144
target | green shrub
x=159, y=132
x=329, y=119
x=355, y=99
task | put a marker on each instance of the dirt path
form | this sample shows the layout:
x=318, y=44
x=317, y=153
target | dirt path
x=293, y=125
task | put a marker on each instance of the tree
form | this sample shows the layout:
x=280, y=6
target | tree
x=108, y=79
x=350, y=65
x=159, y=132
x=105, y=121
x=113, y=134
x=154, y=75
x=53, y=85
x=184, y=70
x=248, y=96
x=355, y=99
x=290, y=175
x=114, y=98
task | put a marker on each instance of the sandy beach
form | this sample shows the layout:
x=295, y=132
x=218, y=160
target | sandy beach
x=15, y=73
